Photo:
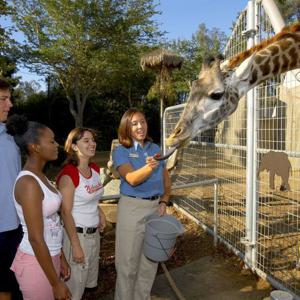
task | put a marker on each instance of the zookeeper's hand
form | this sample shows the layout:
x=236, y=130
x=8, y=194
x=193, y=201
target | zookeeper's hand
x=78, y=255
x=151, y=162
x=162, y=209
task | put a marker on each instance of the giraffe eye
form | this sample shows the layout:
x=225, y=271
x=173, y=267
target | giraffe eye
x=216, y=96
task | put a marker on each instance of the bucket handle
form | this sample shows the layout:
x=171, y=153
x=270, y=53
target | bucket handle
x=168, y=256
x=180, y=229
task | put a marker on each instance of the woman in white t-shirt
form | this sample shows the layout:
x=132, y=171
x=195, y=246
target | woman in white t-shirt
x=81, y=188
x=39, y=265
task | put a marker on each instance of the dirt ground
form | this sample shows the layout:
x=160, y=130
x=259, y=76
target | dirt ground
x=193, y=245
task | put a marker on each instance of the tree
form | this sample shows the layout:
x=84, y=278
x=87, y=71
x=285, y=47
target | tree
x=7, y=48
x=290, y=9
x=26, y=89
x=4, y=11
x=84, y=43
x=203, y=43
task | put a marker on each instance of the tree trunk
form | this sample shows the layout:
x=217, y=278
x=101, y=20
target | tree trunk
x=129, y=96
x=72, y=108
x=78, y=109
x=80, y=105
x=78, y=121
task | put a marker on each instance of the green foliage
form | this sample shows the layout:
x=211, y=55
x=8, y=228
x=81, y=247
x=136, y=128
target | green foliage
x=151, y=110
x=88, y=45
x=290, y=10
x=4, y=36
x=8, y=68
x=7, y=48
x=51, y=110
x=103, y=112
x=93, y=49
x=204, y=42
x=168, y=92
x=25, y=90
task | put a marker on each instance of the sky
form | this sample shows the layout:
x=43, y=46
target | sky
x=180, y=19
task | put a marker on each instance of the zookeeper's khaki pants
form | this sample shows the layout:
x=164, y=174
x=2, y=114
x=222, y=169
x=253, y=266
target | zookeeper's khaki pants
x=85, y=274
x=135, y=273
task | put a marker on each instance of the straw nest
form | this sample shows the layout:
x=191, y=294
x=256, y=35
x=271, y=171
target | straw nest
x=160, y=59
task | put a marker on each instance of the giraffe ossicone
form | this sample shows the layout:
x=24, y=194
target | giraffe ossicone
x=219, y=87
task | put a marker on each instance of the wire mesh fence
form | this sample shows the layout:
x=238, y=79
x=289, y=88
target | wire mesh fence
x=221, y=153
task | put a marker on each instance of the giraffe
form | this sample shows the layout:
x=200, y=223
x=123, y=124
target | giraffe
x=219, y=87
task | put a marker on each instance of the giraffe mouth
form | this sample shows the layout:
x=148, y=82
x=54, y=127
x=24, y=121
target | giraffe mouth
x=188, y=130
x=178, y=136
x=195, y=120
x=182, y=135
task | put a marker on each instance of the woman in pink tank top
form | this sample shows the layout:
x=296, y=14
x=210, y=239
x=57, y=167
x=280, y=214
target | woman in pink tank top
x=39, y=265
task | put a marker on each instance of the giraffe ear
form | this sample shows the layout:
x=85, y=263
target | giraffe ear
x=244, y=70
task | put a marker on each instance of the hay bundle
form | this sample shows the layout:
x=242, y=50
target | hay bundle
x=163, y=62
x=161, y=59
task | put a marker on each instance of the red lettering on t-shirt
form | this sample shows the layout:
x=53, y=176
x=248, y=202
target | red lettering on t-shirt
x=93, y=188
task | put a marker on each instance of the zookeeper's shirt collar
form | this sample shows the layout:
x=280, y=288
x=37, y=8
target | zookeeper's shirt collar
x=136, y=144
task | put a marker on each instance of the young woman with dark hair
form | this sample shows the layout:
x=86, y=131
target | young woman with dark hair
x=39, y=265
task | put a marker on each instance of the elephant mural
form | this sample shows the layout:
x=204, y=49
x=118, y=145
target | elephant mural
x=279, y=164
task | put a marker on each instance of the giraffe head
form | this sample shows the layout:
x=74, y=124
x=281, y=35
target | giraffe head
x=205, y=99
x=213, y=97
x=216, y=93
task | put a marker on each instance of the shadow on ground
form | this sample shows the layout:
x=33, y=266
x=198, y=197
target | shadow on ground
x=209, y=278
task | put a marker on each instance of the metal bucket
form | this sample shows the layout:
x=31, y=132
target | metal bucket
x=280, y=295
x=160, y=236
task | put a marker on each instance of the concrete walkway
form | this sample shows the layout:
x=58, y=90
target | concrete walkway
x=210, y=279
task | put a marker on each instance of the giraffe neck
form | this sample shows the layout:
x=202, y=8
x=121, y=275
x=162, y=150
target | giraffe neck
x=281, y=56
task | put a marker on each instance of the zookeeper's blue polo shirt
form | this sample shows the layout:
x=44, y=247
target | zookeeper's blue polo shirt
x=136, y=156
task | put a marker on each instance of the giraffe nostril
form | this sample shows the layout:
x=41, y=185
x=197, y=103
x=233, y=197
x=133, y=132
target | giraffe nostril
x=177, y=131
x=216, y=96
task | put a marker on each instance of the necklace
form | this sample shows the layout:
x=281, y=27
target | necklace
x=86, y=171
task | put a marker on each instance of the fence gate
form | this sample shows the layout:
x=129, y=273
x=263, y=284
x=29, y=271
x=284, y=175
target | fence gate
x=258, y=218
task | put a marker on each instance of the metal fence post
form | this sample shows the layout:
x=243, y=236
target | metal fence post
x=249, y=239
x=215, y=214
